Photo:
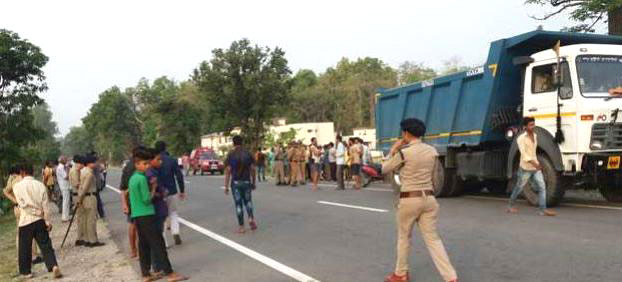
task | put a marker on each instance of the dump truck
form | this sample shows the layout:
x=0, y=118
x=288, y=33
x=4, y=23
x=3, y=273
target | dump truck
x=569, y=82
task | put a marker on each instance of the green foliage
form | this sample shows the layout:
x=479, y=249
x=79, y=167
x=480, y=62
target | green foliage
x=245, y=86
x=112, y=125
x=46, y=148
x=587, y=13
x=77, y=141
x=410, y=72
x=283, y=138
x=21, y=81
x=344, y=94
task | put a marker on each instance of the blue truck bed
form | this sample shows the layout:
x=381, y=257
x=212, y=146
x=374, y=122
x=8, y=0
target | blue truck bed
x=474, y=107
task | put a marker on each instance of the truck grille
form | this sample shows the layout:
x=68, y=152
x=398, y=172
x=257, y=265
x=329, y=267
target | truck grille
x=610, y=135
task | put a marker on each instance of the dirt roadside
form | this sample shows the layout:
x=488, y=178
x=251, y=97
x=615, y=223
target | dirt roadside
x=106, y=263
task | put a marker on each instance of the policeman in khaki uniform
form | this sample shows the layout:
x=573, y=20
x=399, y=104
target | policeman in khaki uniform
x=416, y=162
x=279, y=168
x=88, y=203
x=293, y=164
x=74, y=182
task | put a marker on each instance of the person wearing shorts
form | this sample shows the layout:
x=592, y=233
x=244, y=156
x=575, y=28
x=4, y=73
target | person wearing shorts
x=316, y=167
x=355, y=152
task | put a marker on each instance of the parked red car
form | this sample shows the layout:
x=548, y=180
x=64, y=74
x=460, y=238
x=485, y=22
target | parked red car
x=205, y=159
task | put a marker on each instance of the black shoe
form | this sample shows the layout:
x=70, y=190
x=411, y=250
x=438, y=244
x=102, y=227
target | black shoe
x=37, y=260
x=96, y=244
x=80, y=243
x=177, y=239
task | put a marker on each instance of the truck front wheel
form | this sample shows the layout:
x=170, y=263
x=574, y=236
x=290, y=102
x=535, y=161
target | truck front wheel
x=611, y=189
x=553, y=180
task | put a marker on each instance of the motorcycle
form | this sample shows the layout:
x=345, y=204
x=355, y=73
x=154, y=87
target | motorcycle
x=370, y=173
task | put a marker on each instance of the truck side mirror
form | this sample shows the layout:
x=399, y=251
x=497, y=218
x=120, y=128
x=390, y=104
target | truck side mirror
x=558, y=79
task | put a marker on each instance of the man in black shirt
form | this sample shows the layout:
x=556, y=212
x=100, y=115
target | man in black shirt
x=240, y=176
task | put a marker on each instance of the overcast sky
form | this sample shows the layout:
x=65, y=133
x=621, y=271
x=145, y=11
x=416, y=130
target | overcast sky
x=93, y=46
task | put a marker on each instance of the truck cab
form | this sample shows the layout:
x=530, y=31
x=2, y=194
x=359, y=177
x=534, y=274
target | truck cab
x=571, y=83
x=588, y=104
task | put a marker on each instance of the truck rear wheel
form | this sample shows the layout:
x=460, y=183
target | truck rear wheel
x=554, y=181
x=453, y=184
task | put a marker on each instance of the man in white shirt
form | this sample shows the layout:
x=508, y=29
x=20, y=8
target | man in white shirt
x=34, y=223
x=341, y=161
x=62, y=178
x=332, y=161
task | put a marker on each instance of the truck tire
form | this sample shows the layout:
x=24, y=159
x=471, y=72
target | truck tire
x=555, y=188
x=453, y=184
x=611, y=190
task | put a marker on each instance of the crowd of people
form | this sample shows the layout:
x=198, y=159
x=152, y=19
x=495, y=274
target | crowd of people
x=152, y=185
x=296, y=163
x=74, y=187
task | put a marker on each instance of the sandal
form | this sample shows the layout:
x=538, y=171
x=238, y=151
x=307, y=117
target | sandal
x=174, y=277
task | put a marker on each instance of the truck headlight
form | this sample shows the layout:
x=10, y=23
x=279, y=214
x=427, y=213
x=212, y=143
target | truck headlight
x=596, y=145
x=509, y=134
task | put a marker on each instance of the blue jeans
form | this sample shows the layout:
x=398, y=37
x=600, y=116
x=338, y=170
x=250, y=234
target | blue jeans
x=261, y=173
x=242, y=199
x=536, y=179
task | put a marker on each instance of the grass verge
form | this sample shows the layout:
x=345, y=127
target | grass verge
x=8, y=252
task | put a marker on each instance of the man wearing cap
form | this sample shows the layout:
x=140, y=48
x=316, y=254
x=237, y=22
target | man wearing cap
x=416, y=163
x=88, y=202
x=293, y=164
x=279, y=171
x=74, y=182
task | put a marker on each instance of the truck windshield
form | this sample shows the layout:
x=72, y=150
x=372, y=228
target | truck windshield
x=598, y=74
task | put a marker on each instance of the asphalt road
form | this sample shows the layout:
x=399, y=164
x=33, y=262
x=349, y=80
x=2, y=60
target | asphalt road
x=301, y=239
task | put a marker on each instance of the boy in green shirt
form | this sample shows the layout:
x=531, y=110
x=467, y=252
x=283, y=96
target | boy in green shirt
x=143, y=214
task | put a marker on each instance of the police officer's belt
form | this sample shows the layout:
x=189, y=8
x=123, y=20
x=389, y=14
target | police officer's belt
x=85, y=194
x=416, y=194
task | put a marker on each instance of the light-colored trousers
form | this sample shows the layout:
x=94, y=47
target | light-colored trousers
x=173, y=217
x=423, y=211
x=66, y=192
x=294, y=173
x=89, y=219
x=302, y=171
x=279, y=172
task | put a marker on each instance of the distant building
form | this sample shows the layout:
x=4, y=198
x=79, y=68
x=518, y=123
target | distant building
x=323, y=131
x=367, y=134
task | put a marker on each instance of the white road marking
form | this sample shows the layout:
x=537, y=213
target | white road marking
x=378, y=189
x=593, y=206
x=351, y=206
x=564, y=204
x=297, y=275
x=364, y=189
x=187, y=182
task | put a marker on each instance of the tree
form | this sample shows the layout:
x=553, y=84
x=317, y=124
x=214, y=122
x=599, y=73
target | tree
x=112, y=125
x=77, y=141
x=588, y=12
x=245, y=86
x=21, y=81
x=453, y=65
x=47, y=147
x=410, y=72
x=180, y=125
